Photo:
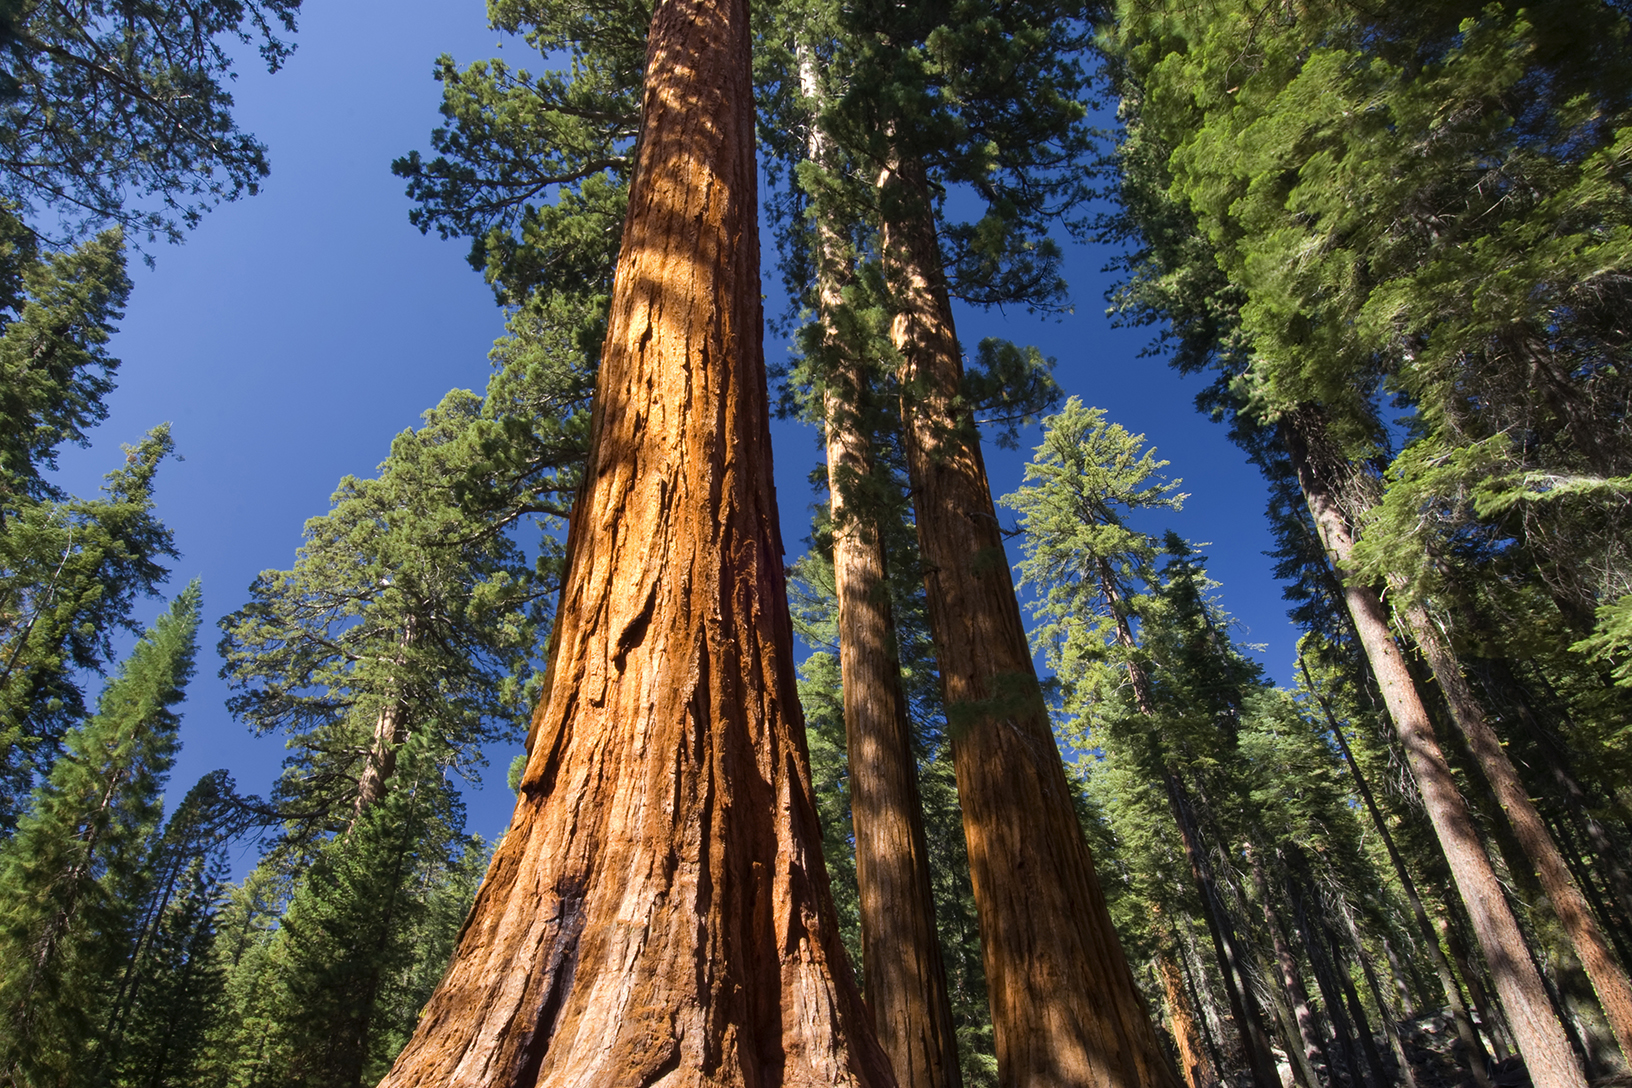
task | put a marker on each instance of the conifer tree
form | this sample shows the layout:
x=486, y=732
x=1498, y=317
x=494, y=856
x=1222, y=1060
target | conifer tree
x=402, y=614
x=666, y=784
x=71, y=877
x=70, y=569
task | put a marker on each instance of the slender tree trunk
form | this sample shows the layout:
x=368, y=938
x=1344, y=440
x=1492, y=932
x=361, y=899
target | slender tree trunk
x=1357, y=1013
x=1313, y=935
x=1609, y=858
x=1308, y=1027
x=900, y=952
x=658, y=911
x=1465, y=1030
x=1065, y=1009
x=1194, y=1066
x=1608, y=980
x=1201, y=999
x=1226, y=942
x=1490, y=1014
x=1541, y=1038
x=1391, y=1021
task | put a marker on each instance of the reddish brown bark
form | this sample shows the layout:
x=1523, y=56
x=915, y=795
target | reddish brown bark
x=1065, y=1010
x=1194, y=1065
x=1430, y=936
x=900, y=949
x=658, y=911
x=1540, y=1037
x=1608, y=980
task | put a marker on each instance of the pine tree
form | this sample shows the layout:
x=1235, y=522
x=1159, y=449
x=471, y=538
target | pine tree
x=402, y=614
x=70, y=569
x=71, y=877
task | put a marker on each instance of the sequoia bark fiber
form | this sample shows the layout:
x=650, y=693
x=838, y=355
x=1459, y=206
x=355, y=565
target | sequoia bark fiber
x=1065, y=1010
x=658, y=912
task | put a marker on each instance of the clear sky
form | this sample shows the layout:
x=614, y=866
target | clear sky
x=295, y=332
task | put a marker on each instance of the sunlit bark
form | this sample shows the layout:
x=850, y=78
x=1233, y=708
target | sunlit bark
x=658, y=912
x=1065, y=1010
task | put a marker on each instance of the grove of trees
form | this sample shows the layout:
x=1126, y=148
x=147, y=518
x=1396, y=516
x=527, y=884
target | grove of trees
x=1031, y=825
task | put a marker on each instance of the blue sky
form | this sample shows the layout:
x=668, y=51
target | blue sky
x=295, y=332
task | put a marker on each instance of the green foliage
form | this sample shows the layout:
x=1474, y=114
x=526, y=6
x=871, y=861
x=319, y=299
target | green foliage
x=72, y=876
x=161, y=1037
x=169, y=991
x=70, y=574
x=1084, y=482
x=366, y=935
x=58, y=314
x=103, y=102
x=1429, y=205
x=399, y=602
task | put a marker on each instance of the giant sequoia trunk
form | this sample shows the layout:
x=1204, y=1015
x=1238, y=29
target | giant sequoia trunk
x=1541, y=1039
x=1065, y=1010
x=658, y=910
x=900, y=950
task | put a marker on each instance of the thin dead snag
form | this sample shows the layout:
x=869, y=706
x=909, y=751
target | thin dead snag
x=1065, y=1010
x=658, y=912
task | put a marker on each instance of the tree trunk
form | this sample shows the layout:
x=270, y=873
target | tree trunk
x=1065, y=1009
x=390, y=730
x=1221, y=926
x=1490, y=1014
x=658, y=911
x=1248, y=1017
x=1430, y=936
x=1574, y=915
x=1197, y=1070
x=1391, y=1021
x=1308, y=1027
x=1201, y=998
x=900, y=951
x=1540, y=1037
x=1312, y=933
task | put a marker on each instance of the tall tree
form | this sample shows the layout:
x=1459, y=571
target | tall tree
x=902, y=969
x=659, y=906
x=73, y=872
x=71, y=569
x=403, y=613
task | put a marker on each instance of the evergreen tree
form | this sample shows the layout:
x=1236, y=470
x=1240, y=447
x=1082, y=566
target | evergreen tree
x=403, y=614
x=72, y=876
x=70, y=569
x=169, y=991
x=351, y=965
x=161, y=1036
x=117, y=112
